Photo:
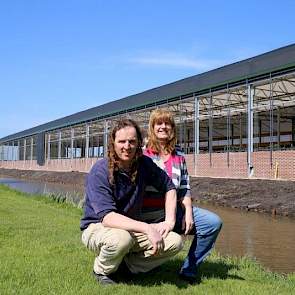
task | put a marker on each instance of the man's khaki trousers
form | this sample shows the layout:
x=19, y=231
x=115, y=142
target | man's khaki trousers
x=112, y=245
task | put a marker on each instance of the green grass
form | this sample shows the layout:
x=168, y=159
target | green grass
x=41, y=253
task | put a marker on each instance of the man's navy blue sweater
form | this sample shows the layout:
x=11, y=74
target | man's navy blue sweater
x=123, y=197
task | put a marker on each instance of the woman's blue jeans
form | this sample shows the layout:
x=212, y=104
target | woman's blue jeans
x=207, y=228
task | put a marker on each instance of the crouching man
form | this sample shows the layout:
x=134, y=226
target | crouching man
x=111, y=224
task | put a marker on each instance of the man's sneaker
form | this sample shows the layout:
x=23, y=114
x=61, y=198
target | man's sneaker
x=103, y=279
x=190, y=278
x=123, y=270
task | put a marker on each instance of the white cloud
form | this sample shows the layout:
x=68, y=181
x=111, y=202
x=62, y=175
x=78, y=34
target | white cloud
x=174, y=60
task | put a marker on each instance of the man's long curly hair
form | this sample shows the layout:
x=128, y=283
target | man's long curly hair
x=113, y=157
x=158, y=116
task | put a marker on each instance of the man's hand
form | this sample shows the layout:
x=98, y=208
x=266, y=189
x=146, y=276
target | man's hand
x=156, y=239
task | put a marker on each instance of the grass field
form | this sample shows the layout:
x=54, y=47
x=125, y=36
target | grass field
x=41, y=253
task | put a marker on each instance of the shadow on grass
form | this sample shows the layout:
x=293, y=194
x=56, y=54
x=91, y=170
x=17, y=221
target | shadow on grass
x=168, y=274
x=219, y=270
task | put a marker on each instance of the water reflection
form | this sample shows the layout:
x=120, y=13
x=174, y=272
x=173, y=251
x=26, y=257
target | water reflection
x=75, y=193
x=269, y=239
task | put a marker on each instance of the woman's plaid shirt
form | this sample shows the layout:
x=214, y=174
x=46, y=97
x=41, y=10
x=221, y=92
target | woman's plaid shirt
x=176, y=168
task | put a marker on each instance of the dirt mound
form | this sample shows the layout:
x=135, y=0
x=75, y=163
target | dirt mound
x=75, y=178
x=270, y=196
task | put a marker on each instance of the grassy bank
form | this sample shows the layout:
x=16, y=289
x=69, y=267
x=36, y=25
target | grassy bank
x=41, y=253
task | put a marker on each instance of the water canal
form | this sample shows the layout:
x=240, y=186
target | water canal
x=270, y=240
x=75, y=193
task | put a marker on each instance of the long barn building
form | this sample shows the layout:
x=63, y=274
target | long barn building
x=236, y=121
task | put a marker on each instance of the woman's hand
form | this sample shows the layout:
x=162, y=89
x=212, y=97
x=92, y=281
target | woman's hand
x=188, y=221
x=163, y=228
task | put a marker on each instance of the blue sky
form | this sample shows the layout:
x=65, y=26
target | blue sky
x=61, y=57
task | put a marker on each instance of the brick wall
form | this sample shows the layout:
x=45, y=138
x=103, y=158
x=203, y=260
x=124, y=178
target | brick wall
x=82, y=165
x=236, y=167
x=282, y=165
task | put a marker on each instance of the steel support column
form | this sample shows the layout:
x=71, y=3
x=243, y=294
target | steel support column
x=48, y=146
x=105, y=138
x=72, y=142
x=25, y=148
x=279, y=127
x=87, y=142
x=32, y=145
x=271, y=124
x=10, y=151
x=250, y=93
x=240, y=132
x=196, y=131
x=181, y=141
x=18, y=150
x=228, y=127
x=185, y=137
x=210, y=130
x=59, y=146
x=293, y=131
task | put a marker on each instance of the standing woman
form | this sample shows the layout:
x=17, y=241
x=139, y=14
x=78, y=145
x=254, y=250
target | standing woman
x=203, y=224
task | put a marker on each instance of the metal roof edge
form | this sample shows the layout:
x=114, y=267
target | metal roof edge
x=32, y=131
